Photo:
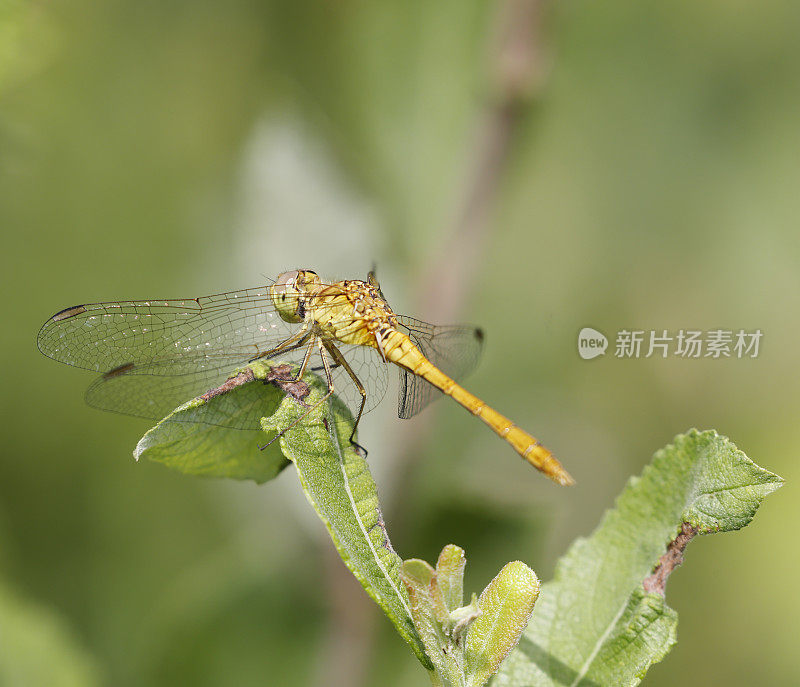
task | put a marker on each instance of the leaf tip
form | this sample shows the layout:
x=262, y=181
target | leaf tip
x=140, y=448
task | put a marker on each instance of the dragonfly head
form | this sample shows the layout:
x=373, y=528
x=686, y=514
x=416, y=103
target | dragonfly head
x=289, y=291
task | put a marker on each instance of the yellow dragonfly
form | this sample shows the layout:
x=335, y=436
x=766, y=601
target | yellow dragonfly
x=153, y=355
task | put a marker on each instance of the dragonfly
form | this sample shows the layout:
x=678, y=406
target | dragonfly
x=154, y=355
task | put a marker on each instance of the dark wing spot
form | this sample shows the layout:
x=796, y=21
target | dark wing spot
x=119, y=370
x=68, y=312
x=479, y=334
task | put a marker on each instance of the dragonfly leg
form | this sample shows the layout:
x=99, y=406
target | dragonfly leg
x=307, y=357
x=339, y=359
x=292, y=343
x=320, y=368
x=320, y=347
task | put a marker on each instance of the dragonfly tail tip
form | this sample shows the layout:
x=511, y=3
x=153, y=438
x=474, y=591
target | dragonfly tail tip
x=564, y=479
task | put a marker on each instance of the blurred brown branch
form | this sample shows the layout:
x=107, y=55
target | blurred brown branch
x=517, y=69
x=517, y=73
x=346, y=650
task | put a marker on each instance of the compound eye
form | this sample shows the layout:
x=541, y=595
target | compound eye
x=286, y=279
x=286, y=282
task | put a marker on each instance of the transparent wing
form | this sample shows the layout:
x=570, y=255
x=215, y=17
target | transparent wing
x=153, y=396
x=220, y=329
x=158, y=354
x=372, y=373
x=154, y=390
x=454, y=349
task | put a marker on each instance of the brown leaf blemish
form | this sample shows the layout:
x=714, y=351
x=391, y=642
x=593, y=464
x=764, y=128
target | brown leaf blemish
x=656, y=583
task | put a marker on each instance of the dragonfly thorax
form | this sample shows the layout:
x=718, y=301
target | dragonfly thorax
x=352, y=312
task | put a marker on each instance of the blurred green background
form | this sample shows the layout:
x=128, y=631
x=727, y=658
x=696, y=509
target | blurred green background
x=648, y=180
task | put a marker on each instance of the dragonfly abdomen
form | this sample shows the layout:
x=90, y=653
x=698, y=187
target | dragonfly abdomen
x=399, y=349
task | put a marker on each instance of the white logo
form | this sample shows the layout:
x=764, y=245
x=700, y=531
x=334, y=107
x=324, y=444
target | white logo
x=591, y=343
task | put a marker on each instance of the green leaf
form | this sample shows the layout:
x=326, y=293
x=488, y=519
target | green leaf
x=506, y=606
x=313, y=434
x=492, y=625
x=337, y=483
x=461, y=619
x=430, y=617
x=188, y=441
x=595, y=624
x=450, y=571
